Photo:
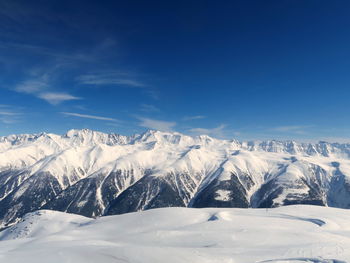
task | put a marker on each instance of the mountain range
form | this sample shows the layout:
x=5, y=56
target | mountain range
x=93, y=174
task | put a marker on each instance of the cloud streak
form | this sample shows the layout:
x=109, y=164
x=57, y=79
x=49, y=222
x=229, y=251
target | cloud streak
x=56, y=98
x=110, y=78
x=218, y=132
x=40, y=88
x=156, y=124
x=86, y=116
x=191, y=118
x=9, y=115
x=148, y=108
x=297, y=129
x=32, y=86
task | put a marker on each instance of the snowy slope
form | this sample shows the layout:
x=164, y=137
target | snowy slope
x=92, y=173
x=216, y=235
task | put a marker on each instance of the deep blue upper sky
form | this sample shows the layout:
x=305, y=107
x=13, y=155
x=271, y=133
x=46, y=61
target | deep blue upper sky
x=232, y=69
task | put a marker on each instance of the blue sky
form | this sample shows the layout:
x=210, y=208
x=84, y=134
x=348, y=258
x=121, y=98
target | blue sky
x=230, y=69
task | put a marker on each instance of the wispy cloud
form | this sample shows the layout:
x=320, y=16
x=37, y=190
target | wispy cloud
x=118, y=79
x=9, y=114
x=40, y=88
x=91, y=65
x=218, y=132
x=148, y=108
x=110, y=78
x=58, y=56
x=32, y=86
x=55, y=98
x=335, y=139
x=196, y=117
x=297, y=129
x=86, y=116
x=156, y=124
x=44, y=82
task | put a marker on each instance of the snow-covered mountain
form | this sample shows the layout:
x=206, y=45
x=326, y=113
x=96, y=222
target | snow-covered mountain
x=289, y=234
x=92, y=173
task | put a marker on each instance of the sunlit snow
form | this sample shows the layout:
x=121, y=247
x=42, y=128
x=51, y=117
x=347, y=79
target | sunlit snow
x=286, y=234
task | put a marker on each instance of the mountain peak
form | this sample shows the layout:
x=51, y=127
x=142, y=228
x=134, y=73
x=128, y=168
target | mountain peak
x=81, y=132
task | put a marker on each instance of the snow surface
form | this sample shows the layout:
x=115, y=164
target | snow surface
x=227, y=235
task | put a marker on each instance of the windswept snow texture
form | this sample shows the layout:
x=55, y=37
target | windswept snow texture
x=92, y=173
x=294, y=234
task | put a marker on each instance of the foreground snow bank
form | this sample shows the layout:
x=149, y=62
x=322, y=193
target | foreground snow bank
x=285, y=234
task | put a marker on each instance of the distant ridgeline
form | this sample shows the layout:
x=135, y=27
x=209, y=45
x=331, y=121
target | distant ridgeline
x=93, y=174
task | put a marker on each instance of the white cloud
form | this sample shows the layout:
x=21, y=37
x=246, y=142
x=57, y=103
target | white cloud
x=9, y=114
x=196, y=117
x=117, y=79
x=66, y=58
x=149, y=108
x=218, y=132
x=40, y=88
x=156, y=124
x=297, y=129
x=89, y=116
x=31, y=86
x=55, y=98
x=109, y=78
x=42, y=81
